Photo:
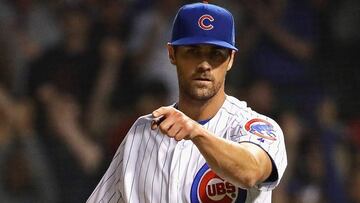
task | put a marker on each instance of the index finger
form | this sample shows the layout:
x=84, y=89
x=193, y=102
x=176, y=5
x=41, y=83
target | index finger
x=162, y=111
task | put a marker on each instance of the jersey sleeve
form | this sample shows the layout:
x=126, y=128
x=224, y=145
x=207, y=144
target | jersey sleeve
x=267, y=134
x=109, y=189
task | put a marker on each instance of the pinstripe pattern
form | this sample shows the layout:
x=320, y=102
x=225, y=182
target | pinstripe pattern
x=147, y=168
x=152, y=168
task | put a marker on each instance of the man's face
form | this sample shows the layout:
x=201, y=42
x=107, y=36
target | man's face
x=201, y=69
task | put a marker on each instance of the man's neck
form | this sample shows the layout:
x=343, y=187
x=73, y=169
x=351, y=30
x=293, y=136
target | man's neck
x=201, y=110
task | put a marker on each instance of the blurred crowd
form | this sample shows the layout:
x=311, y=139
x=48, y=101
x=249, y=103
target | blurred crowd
x=75, y=74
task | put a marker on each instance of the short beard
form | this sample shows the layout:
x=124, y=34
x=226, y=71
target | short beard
x=199, y=94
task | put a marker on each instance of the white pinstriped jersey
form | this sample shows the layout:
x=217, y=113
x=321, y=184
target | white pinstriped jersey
x=150, y=167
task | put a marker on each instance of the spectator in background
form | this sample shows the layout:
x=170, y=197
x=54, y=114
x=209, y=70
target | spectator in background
x=283, y=35
x=319, y=158
x=101, y=113
x=294, y=128
x=71, y=65
x=24, y=169
x=149, y=31
x=61, y=81
x=308, y=180
x=332, y=137
x=112, y=29
x=111, y=110
x=338, y=58
x=339, y=73
x=28, y=27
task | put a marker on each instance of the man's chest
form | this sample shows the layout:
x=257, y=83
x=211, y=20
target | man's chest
x=161, y=169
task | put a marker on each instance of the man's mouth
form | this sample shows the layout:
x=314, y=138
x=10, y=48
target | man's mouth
x=203, y=78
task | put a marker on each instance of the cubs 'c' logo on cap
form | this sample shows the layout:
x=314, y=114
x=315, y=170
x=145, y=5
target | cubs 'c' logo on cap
x=210, y=188
x=261, y=128
x=204, y=22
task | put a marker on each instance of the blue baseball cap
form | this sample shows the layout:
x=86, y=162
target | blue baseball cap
x=203, y=23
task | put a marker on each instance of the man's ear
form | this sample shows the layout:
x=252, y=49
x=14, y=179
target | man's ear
x=171, y=53
x=232, y=56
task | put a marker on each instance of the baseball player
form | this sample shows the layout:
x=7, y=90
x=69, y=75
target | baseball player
x=209, y=146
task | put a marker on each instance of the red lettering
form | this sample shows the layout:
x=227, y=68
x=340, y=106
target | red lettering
x=230, y=187
x=211, y=190
x=220, y=188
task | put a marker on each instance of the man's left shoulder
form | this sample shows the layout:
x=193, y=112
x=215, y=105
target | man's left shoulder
x=263, y=127
x=251, y=122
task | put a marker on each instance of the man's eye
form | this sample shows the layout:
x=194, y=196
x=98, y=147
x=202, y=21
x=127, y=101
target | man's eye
x=219, y=53
x=193, y=52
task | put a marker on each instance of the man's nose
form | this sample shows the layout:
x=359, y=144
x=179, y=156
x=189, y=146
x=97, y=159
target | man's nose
x=204, y=65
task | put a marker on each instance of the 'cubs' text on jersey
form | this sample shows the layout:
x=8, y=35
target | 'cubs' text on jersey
x=150, y=167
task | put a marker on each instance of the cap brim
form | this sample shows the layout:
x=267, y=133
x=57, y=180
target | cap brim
x=202, y=40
